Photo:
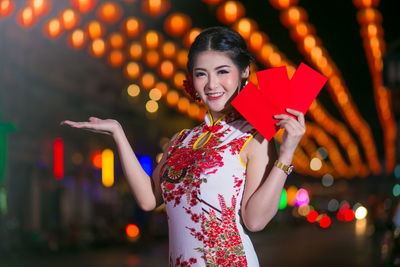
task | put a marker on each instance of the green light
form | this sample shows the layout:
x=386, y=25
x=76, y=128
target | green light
x=283, y=201
x=4, y=129
x=3, y=201
x=396, y=190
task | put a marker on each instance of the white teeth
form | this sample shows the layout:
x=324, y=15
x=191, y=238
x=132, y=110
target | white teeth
x=215, y=94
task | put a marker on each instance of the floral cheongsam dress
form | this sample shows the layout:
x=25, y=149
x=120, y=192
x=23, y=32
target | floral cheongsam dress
x=202, y=184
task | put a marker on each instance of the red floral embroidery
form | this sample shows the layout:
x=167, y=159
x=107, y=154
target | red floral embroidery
x=222, y=243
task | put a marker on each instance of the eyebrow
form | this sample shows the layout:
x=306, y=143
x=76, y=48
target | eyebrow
x=219, y=67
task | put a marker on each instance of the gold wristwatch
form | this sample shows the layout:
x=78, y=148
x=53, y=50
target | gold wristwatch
x=286, y=168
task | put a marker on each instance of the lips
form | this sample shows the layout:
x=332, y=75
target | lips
x=214, y=96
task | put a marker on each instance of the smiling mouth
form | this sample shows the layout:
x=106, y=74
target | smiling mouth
x=214, y=96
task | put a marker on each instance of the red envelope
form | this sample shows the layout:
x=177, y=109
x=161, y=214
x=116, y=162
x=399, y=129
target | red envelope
x=257, y=110
x=305, y=85
x=274, y=85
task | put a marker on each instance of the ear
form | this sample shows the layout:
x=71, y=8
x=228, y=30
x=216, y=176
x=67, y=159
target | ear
x=246, y=72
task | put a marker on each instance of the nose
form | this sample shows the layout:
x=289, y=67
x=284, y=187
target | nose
x=212, y=82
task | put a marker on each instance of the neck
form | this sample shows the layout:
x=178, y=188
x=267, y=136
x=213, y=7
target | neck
x=217, y=115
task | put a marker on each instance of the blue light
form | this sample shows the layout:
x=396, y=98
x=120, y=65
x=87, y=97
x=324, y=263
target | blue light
x=396, y=190
x=146, y=163
x=397, y=171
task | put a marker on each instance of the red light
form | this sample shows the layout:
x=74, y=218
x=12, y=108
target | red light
x=6, y=7
x=325, y=221
x=349, y=215
x=132, y=230
x=312, y=216
x=96, y=158
x=83, y=6
x=58, y=158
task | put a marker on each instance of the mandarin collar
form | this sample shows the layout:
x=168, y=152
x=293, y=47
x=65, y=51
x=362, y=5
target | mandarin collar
x=224, y=119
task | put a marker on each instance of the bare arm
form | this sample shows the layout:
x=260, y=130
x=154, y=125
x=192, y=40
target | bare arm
x=265, y=182
x=144, y=188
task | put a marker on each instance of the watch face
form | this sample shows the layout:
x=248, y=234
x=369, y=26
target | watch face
x=290, y=169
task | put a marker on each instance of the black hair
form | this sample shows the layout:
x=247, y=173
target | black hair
x=221, y=39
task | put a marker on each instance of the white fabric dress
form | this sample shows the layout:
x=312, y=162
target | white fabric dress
x=202, y=187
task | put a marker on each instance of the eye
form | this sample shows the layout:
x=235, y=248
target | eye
x=223, y=71
x=198, y=74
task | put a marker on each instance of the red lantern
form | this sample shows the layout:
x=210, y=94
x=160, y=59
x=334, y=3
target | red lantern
x=245, y=27
x=190, y=36
x=230, y=12
x=283, y=4
x=6, y=7
x=26, y=18
x=155, y=8
x=69, y=19
x=369, y=15
x=116, y=58
x=177, y=24
x=213, y=2
x=365, y=3
x=40, y=7
x=301, y=30
x=95, y=29
x=77, y=39
x=293, y=16
x=109, y=12
x=132, y=27
x=83, y=6
x=53, y=28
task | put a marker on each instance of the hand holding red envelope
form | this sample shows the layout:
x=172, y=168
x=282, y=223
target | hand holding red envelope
x=276, y=93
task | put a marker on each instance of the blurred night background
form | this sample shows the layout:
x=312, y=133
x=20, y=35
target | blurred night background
x=64, y=200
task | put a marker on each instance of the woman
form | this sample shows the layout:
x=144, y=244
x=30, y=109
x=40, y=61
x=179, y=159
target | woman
x=221, y=174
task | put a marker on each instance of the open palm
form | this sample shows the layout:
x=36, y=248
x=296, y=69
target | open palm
x=107, y=126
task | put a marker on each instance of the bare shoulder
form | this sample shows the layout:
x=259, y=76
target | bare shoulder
x=257, y=145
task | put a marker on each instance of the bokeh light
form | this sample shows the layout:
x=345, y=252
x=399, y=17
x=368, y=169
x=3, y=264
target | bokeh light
x=132, y=70
x=53, y=28
x=25, y=17
x=301, y=198
x=83, y=6
x=155, y=8
x=95, y=29
x=40, y=7
x=135, y=51
x=155, y=94
x=97, y=47
x=361, y=213
x=177, y=24
x=107, y=167
x=152, y=39
x=325, y=221
x=230, y=11
x=133, y=90
x=132, y=27
x=6, y=7
x=315, y=164
x=132, y=230
x=327, y=180
x=109, y=12
x=69, y=19
x=312, y=216
x=147, y=80
x=95, y=158
x=151, y=106
x=116, y=40
x=116, y=58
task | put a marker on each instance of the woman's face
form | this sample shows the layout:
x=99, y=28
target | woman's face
x=216, y=79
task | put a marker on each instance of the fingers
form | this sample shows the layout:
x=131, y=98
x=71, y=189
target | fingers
x=298, y=114
x=77, y=124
